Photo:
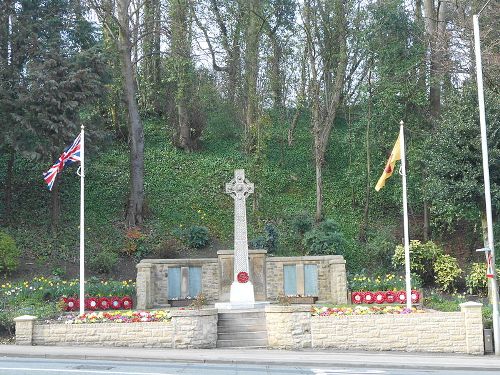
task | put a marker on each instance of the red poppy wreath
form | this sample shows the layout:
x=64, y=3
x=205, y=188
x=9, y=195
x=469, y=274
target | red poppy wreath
x=242, y=277
x=357, y=297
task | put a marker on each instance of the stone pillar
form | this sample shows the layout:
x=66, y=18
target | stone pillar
x=299, y=272
x=258, y=273
x=144, y=286
x=185, y=282
x=225, y=258
x=338, y=280
x=473, y=327
x=24, y=329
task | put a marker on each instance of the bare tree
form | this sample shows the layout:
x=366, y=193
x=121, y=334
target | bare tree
x=326, y=29
x=121, y=20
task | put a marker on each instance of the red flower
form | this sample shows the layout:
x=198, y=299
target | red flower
x=401, y=296
x=369, y=297
x=103, y=303
x=415, y=296
x=379, y=297
x=91, y=303
x=127, y=302
x=357, y=297
x=116, y=303
x=242, y=277
x=390, y=296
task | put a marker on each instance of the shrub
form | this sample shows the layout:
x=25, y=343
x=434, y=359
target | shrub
x=446, y=272
x=269, y=241
x=135, y=243
x=422, y=258
x=302, y=223
x=488, y=316
x=325, y=239
x=9, y=253
x=476, y=281
x=196, y=236
x=258, y=242
x=104, y=262
x=378, y=251
x=437, y=301
x=199, y=301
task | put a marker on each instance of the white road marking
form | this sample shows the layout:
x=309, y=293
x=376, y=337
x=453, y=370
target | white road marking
x=322, y=371
x=84, y=371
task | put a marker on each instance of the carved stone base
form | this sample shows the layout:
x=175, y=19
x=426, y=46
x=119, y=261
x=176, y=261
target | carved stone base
x=242, y=293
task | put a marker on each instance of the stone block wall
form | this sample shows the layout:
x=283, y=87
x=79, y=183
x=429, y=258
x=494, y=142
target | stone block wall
x=332, y=279
x=187, y=329
x=288, y=327
x=454, y=332
x=152, y=280
x=194, y=329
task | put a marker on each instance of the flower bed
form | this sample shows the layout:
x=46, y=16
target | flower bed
x=97, y=303
x=363, y=310
x=119, y=317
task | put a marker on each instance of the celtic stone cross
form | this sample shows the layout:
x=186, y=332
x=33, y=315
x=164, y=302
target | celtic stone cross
x=239, y=188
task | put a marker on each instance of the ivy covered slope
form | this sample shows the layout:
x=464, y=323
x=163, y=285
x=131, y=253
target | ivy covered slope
x=186, y=189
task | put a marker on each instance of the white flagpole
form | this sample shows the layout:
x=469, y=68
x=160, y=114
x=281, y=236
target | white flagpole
x=82, y=221
x=486, y=176
x=405, y=217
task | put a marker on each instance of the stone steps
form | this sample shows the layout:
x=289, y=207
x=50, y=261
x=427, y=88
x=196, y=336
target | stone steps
x=241, y=329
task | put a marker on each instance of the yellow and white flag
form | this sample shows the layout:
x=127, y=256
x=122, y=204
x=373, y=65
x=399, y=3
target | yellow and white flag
x=389, y=167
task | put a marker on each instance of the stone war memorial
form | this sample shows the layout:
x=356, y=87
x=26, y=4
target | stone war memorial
x=241, y=288
x=240, y=278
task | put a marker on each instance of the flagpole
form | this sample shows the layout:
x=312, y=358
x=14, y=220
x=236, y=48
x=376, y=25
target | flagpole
x=82, y=220
x=486, y=177
x=405, y=217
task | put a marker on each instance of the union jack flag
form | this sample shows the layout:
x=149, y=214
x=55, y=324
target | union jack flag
x=70, y=155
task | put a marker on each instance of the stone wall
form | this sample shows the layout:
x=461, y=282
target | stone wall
x=332, y=280
x=454, y=332
x=152, y=280
x=266, y=274
x=187, y=329
x=288, y=327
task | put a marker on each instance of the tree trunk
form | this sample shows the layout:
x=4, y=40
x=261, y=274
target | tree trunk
x=426, y=228
x=276, y=73
x=318, y=217
x=8, y=187
x=134, y=214
x=435, y=26
x=301, y=97
x=364, y=226
x=151, y=53
x=55, y=205
x=181, y=53
x=252, y=69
